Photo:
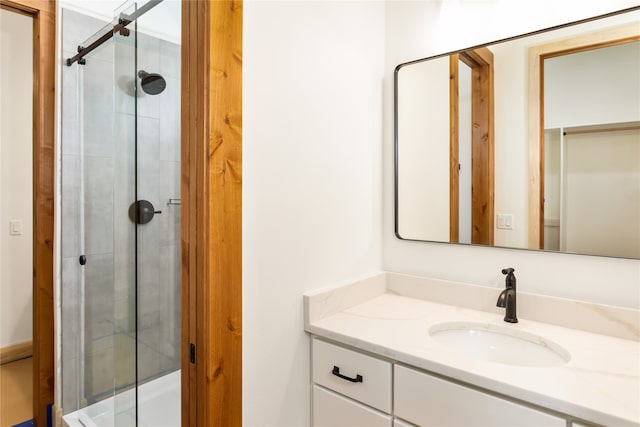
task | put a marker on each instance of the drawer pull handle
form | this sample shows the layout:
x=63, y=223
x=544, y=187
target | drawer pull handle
x=336, y=372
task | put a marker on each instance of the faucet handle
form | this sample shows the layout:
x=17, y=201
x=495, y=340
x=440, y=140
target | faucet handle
x=510, y=280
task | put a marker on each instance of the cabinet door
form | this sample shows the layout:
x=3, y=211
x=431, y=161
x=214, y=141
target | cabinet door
x=430, y=401
x=332, y=410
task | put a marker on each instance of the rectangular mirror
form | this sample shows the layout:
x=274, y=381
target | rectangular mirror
x=530, y=143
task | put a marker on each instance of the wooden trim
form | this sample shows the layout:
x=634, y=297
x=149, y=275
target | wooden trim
x=224, y=309
x=477, y=57
x=536, y=145
x=537, y=54
x=482, y=141
x=10, y=8
x=44, y=72
x=211, y=233
x=601, y=130
x=44, y=190
x=193, y=107
x=16, y=352
x=454, y=151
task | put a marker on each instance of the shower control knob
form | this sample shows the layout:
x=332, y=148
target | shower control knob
x=142, y=211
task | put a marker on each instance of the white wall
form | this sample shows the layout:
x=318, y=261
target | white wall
x=606, y=91
x=420, y=29
x=552, y=172
x=511, y=144
x=16, y=255
x=312, y=109
x=465, y=131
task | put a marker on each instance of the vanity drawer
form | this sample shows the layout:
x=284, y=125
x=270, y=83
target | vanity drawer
x=374, y=389
x=332, y=410
x=431, y=401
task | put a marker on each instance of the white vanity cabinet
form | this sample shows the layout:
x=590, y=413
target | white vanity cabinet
x=387, y=325
x=351, y=389
x=427, y=400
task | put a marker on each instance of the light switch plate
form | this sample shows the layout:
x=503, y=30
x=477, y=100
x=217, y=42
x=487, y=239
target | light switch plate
x=15, y=227
x=505, y=221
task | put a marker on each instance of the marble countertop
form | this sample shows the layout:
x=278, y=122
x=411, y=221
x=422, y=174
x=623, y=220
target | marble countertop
x=600, y=383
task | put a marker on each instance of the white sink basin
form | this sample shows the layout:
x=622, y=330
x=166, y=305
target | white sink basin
x=494, y=343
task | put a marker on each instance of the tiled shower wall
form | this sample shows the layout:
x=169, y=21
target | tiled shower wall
x=104, y=315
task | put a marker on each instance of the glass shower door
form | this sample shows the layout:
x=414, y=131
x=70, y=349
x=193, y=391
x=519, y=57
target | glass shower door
x=121, y=221
x=158, y=235
x=108, y=246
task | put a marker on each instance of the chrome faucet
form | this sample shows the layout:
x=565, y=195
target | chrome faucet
x=507, y=297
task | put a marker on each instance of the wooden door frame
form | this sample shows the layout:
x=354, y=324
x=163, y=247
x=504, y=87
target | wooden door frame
x=454, y=148
x=482, y=140
x=44, y=72
x=211, y=221
x=537, y=55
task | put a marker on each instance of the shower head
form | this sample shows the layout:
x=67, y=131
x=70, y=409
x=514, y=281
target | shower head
x=152, y=83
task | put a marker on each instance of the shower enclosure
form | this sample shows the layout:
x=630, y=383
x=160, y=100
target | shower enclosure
x=121, y=216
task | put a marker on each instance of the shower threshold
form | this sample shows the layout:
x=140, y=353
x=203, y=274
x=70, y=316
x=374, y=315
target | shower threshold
x=159, y=406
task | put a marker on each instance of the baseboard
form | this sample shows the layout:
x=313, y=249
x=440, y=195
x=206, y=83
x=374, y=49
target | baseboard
x=57, y=417
x=16, y=352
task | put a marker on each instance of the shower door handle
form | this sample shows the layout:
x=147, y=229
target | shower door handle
x=142, y=212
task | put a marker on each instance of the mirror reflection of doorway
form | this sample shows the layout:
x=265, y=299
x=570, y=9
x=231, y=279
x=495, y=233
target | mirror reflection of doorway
x=574, y=201
x=607, y=64
x=471, y=147
x=580, y=143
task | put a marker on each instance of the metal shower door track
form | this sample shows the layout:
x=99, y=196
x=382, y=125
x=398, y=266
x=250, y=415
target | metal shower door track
x=119, y=27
